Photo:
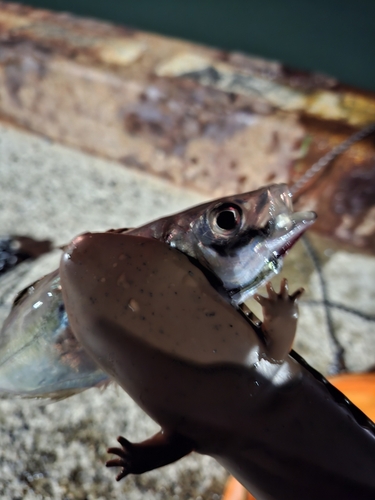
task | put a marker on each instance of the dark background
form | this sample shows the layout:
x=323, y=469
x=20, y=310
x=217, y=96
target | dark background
x=336, y=37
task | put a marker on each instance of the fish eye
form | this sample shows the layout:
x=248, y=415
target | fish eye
x=226, y=218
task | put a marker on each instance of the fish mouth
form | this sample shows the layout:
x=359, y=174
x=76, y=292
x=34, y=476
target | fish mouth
x=287, y=229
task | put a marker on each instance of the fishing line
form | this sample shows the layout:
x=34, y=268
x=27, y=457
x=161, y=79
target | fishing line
x=324, y=161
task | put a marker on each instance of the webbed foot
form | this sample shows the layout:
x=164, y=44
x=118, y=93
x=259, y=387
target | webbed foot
x=279, y=304
x=136, y=458
x=280, y=314
x=127, y=460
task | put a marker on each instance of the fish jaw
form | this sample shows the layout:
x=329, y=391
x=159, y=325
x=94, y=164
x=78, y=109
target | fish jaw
x=288, y=230
x=265, y=258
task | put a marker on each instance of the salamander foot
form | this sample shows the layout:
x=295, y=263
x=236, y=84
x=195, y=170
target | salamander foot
x=127, y=460
x=280, y=314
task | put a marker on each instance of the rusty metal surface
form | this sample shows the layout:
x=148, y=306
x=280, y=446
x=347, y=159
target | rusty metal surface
x=213, y=121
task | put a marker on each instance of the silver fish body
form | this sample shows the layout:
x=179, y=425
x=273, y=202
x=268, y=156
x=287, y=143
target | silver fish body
x=241, y=239
x=39, y=355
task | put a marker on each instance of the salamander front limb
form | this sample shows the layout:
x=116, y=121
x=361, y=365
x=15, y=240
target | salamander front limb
x=280, y=314
x=161, y=449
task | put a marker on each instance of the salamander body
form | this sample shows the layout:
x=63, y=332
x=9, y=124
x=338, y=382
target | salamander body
x=215, y=383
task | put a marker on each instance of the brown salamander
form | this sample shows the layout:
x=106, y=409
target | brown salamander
x=214, y=382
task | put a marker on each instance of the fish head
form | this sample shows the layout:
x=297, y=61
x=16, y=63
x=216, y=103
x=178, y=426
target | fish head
x=242, y=238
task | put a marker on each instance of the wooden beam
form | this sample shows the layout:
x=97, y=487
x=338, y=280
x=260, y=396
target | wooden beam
x=206, y=119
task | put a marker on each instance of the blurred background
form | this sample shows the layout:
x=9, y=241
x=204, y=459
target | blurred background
x=336, y=37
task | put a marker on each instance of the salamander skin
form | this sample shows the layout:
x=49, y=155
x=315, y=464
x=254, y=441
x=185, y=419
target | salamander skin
x=214, y=382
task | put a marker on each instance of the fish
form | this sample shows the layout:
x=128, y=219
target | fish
x=241, y=240
x=39, y=355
